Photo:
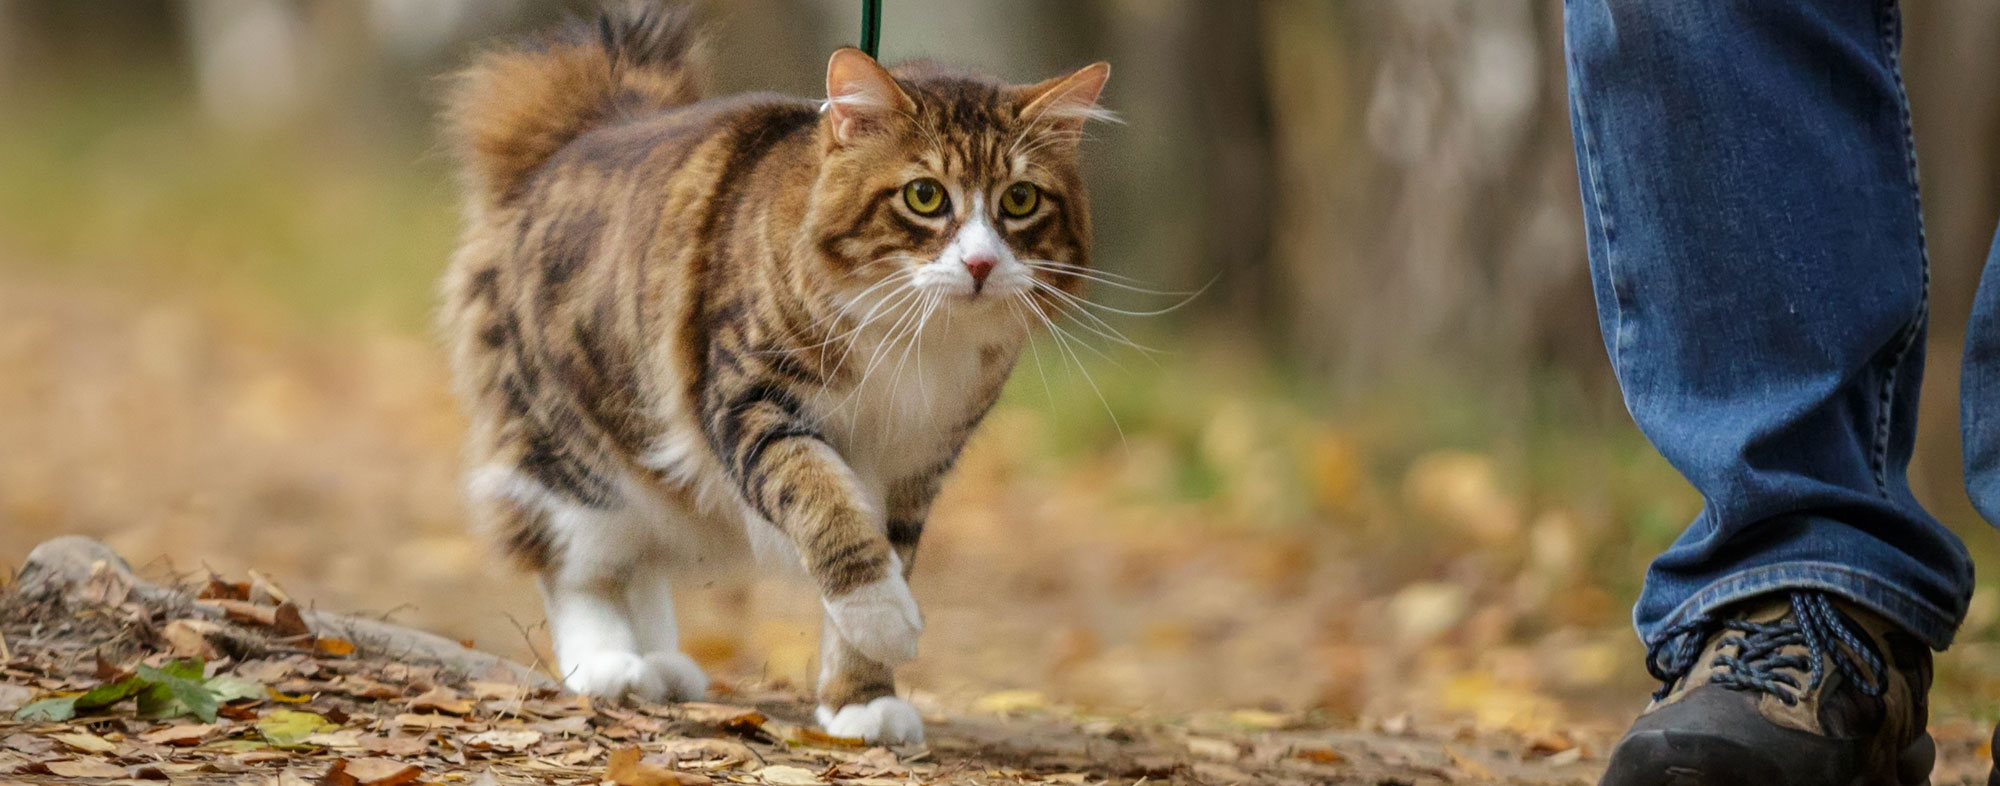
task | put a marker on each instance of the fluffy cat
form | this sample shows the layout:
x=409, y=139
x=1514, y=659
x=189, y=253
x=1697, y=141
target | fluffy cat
x=689, y=330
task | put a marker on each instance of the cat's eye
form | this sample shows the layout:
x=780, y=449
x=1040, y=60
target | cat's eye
x=1020, y=200
x=925, y=196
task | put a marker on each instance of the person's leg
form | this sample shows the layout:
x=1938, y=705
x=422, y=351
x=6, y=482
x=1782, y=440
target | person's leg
x=1979, y=393
x=1750, y=198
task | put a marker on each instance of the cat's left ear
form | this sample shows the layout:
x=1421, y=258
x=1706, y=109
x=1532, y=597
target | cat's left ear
x=861, y=95
x=1067, y=101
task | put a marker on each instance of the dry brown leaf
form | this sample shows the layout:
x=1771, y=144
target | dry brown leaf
x=394, y=746
x=443, y=700
x=261, y=586
x=872, y=763
x=511, y=740
x=504, y=691
x=787, y=775
x=411, y=720
x=185, y=734
x=810, y=736
x=383, y=772
x=721, y=714
x=627, y=769
x=243, y=611
x=1470, y=767
x=287, y=620
x=188, y=638
x=86, y=742
x=344, y=738
x=1319, y=756
x=1208, y=747
x=709, y=753
x=217, y=589
x=1550, y=744
x=85, y=768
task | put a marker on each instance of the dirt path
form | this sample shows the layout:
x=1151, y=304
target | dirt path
x=104, y=678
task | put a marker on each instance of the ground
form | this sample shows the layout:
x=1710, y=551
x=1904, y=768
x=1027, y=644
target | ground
x=312, y=697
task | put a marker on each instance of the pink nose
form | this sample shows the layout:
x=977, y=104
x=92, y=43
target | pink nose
x=979, y=267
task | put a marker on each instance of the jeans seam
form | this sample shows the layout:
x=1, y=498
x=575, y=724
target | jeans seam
x=1921, y=618
x=1889, y=28
x=1588, y=139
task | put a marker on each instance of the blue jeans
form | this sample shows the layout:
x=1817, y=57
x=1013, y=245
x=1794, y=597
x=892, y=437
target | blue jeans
x=1750, y=198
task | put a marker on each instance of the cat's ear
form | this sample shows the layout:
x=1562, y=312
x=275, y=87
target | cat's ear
x=860, y=95
x=1067, y=101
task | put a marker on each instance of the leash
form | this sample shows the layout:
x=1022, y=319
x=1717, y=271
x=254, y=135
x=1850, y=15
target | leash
x=871, y=27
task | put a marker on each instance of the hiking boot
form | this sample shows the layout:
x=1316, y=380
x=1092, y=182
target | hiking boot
x=1789, y=689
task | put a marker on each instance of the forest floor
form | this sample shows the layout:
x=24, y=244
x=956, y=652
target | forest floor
x=105, y=678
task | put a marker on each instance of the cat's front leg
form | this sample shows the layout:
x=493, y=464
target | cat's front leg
x=857, y=695
x=801, y=485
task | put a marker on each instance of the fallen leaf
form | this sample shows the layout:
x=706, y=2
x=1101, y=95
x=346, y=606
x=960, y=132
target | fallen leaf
x=1007, y=702
x=13, y=697
x=442, y=700
x=338, y=648
x=395, y=746
x=217, y=589
x=188, y=638
x=627, y=769
x=411, y=720
x=810, y=736
x=291, y=727
x=1471, y=768
x=1319, y=756
x=1261, y=720
x=504, y=691
x=185, y=734
x=86, y=742
x=1550, y=744
x=243, y=611
x=1209, y=747
x=284, y=698
x=708, y=753
x=787, y=775
x=287, y=620
x=383, y=772
x=261, y=586
x=85, y=768
x=874, y=762
x=61, y=708
x=512, y=740
x=344, y=738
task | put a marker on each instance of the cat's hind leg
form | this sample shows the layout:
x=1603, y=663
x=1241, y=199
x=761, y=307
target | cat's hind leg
x=649, y=597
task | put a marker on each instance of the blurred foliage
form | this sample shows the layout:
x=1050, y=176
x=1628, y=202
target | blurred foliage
x=1379, y=465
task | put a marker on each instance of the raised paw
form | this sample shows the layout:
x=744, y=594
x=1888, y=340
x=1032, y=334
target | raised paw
x=886, y=720
x=879, y=619
x=657, y=677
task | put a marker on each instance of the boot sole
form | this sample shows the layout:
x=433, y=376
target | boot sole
x=1678, y=758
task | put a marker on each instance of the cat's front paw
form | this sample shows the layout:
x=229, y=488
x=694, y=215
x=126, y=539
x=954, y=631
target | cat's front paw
x=661, y=676
x=880, y=619
x=886, y=720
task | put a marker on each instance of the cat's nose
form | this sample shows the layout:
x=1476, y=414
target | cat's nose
x=979, y=267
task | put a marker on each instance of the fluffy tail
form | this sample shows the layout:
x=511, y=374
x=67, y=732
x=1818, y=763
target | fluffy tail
x=515, y=107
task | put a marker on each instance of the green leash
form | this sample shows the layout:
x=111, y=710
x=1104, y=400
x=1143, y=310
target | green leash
x=871, y=27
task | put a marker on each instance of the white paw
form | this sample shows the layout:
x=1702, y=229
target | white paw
x=657, y=677
x=887, y=720
x=880, y=619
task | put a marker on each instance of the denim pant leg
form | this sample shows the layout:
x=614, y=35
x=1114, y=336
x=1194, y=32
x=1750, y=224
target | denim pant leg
x=1750, y=199
x=1979, y=393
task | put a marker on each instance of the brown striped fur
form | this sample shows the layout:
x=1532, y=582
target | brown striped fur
x=657, y=311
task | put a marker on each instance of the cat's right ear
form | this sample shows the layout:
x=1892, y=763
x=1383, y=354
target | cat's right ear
x=861, y=96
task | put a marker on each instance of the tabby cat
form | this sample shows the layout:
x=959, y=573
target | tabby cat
x=692, y=330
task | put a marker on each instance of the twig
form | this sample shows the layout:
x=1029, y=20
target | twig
x=542, y=664
x=5, y=654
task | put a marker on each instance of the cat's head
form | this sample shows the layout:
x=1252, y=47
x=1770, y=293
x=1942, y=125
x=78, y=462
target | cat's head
x=951, y=189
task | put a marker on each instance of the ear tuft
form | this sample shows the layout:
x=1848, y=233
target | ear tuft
x=860, y=94
x=1069, y=100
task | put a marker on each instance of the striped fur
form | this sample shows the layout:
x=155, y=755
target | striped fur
x=687, y=329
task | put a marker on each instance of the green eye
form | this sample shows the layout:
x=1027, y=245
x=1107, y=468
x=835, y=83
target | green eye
x=925, y=196
x=1020, y=199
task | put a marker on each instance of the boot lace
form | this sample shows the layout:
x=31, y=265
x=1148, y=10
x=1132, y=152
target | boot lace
x=1825, y=632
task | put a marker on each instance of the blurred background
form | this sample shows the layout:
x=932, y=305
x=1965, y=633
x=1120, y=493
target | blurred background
x=1377, y=470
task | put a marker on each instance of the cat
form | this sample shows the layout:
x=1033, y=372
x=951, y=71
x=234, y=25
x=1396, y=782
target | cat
x=687, y=331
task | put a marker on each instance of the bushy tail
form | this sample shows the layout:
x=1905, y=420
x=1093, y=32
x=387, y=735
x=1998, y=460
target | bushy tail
x=515, y=107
